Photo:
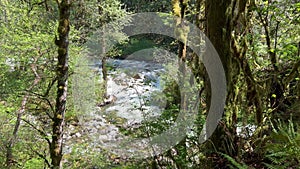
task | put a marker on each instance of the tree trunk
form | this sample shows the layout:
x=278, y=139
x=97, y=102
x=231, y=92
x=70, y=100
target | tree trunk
x=62, y=84
x=179, y=9
x=103, y=52
x=104, y=68
x=220, y=21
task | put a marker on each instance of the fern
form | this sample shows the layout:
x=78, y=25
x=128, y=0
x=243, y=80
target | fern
x=283, y=150
x=270, y=166
x=234, y=163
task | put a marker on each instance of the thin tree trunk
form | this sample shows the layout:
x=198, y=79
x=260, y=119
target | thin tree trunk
x=9, y=149
x=103, y=53
x=179, y=7
x=62, y=84
x=104, y=69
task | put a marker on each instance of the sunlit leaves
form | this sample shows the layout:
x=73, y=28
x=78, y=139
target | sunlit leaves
x=283, y=25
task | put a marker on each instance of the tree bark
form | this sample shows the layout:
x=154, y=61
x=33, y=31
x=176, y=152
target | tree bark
x=221, y=19
x=62, y=83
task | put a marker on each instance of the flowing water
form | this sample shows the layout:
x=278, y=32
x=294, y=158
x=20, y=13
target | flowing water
x=133, y=84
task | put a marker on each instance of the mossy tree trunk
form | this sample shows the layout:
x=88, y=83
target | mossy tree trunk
x=62, y=74
x=222, y=18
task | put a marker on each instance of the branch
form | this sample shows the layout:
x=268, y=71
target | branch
x=37, y=3
x=47, y=101
x=41, y=156
x=268, y=39
x=42, y=133
x=292, y=75
x=276, y=35
x=51, y=84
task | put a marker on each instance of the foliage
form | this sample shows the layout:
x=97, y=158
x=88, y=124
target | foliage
x=33, y=163
x=284, y=146
x=147, y=5
x=134, y=45
x=84, y=156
